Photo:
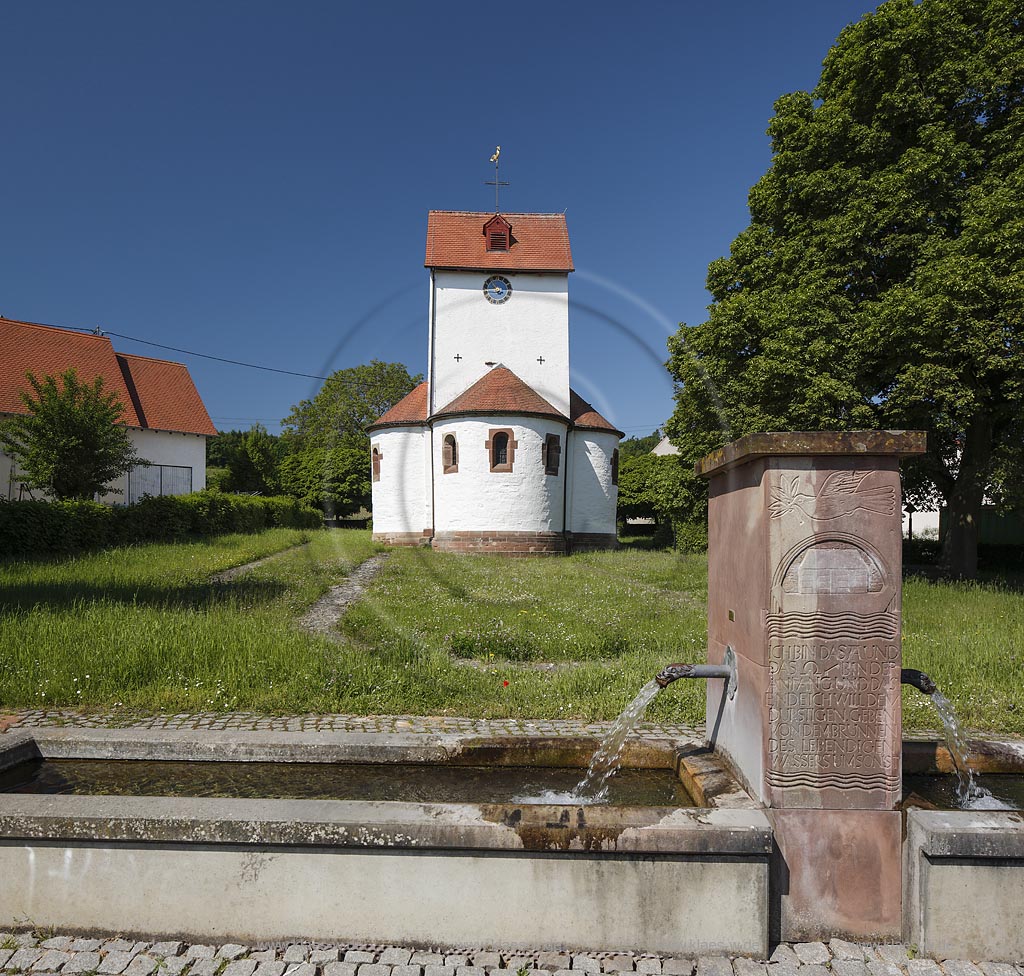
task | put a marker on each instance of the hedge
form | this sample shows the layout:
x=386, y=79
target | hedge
x=39, y=528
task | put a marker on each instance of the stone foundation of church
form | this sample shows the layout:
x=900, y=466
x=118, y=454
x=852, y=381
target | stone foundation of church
x=503, y=543
x=591, y=541
x=403, y=538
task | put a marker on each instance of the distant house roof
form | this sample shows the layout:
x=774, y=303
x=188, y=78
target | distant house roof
x=156, y=394
x=409, y=411
x=500, y=391
x=585, y=417
x=456, y=239
x=665, y=447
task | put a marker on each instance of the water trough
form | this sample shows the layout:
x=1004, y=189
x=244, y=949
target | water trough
x=675, y=880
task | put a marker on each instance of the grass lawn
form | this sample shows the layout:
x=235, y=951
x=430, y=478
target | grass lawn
x=145, y=629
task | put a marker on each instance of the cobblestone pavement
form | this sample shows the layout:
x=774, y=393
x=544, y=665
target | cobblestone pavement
x=254, y=722
x=27, y=953
x=425, y=725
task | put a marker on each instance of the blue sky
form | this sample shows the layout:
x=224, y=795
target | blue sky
x=251, y=180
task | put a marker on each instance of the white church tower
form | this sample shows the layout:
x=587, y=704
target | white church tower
x=494, y=452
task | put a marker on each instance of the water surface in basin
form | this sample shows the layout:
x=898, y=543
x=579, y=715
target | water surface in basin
x=410, y=782
x=995, y=791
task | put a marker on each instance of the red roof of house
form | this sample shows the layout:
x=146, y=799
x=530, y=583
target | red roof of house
x=455, y=239
x=166, y=397
x=500, y=391
x=155, y=394
x=410, y=410
x=582, y=414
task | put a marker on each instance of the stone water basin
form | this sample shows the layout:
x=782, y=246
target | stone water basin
x=684, y=871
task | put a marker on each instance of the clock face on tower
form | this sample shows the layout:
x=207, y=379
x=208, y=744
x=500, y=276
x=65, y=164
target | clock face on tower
x=497, y=289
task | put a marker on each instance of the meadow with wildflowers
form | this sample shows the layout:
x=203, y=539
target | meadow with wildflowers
x=147, y=629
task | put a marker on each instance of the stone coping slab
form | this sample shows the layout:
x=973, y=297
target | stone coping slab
x=813, y=443
x=974, y=834
x=392, y=825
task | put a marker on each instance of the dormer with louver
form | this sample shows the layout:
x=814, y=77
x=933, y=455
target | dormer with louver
x=498, y=234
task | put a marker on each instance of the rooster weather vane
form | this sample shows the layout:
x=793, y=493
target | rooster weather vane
x=496, y=183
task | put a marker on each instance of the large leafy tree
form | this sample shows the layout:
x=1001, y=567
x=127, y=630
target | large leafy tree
x=881, y=280
x=245, y=461
x=349, y=400
x=336, y=480
x=69, y=443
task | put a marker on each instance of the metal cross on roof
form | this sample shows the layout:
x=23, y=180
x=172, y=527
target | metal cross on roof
x=496, y=183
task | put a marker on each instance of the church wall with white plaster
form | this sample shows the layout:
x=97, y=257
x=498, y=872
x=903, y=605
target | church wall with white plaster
x=399, y=504
x=475, y=498
x=532, y=324
x=593, y=495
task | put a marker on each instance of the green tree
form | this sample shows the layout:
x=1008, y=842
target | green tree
x=70, y=443
x=666, y=490
x=632, y=446
x=349, y=400
x=881, y=280
x=245, y=461
x=336, y=480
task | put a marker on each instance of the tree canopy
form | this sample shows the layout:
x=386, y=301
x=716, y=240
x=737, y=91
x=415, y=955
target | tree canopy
x=349, y=400
x=880, y=282
x=69, y=444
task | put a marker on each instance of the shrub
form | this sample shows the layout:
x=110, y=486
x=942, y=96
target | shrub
x=39, y=528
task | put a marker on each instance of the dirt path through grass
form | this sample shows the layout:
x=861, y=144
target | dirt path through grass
x=227, y=575
x=323, y=616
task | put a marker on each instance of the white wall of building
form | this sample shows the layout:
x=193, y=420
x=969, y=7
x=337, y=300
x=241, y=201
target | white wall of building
x=399, y=504
x=475, y=498
x=532, y=324
x=592, y=494
x=157, y=446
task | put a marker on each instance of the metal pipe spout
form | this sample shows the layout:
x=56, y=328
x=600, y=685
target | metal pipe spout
x=921, y=681
x=725, y=671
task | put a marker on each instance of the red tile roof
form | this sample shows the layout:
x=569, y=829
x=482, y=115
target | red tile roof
x=166, y=398
x=583, y=415
x=455, y=239
x=500, y=391
x=409, y=411
x=155, y=394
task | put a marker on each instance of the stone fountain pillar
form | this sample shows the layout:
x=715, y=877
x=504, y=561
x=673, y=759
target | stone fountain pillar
x=804, y=583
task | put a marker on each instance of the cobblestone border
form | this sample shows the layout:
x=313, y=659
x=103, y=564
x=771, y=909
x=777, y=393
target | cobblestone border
x=257, y=722
x=67, y=954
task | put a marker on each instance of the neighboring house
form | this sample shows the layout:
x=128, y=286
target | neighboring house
x=494, y=452
x=664, y=447
x=165, y=417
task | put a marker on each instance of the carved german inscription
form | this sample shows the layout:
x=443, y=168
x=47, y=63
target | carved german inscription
x=830, y=704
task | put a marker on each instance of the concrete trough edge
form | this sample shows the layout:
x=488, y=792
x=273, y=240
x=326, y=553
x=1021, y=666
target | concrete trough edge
x=978, y=834
x=365, y=824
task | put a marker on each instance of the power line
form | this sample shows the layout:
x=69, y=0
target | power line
x=219, y=359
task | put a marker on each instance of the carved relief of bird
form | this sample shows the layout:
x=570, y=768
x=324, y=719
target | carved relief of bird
x=841, y=493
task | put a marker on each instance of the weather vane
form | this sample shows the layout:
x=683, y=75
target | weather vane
x=496, y=183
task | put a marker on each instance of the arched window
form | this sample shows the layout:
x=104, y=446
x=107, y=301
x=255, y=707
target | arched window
x=551, y=453
x=450, y=454
x=501, y=448
x=375, y=457
x=615, y=466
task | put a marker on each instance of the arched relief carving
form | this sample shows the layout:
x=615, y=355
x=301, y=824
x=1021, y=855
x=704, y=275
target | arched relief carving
x=832, y=571
x=833, y=669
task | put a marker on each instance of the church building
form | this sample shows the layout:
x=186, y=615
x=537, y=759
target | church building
x=494, y=452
